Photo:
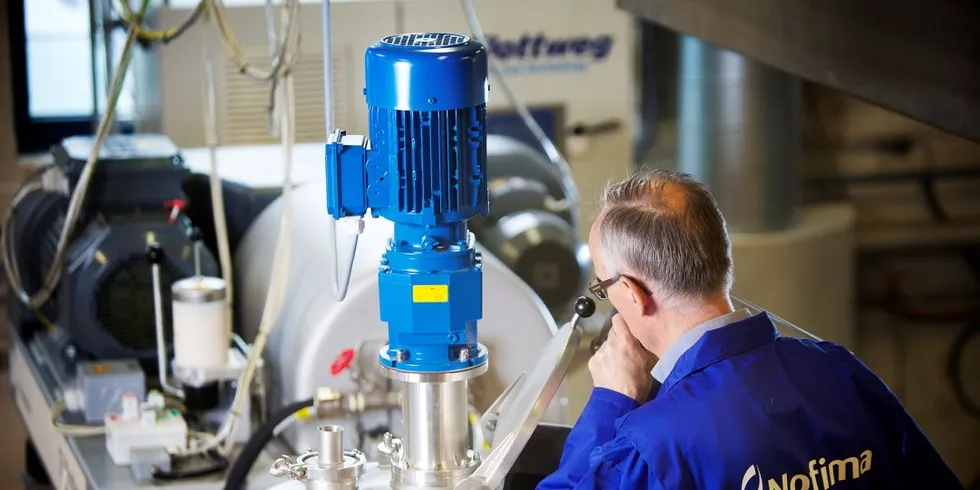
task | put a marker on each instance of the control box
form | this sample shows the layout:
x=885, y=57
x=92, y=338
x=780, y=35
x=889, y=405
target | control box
x=149, y=425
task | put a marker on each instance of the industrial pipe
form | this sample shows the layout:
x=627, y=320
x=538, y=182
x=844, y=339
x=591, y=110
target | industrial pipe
x=739, y=133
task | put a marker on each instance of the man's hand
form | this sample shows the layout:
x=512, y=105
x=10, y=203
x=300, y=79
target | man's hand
x=622, y=364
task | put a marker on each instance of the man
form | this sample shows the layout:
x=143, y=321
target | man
x=737, y=406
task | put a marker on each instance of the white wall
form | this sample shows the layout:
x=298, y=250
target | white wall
x=591, y=87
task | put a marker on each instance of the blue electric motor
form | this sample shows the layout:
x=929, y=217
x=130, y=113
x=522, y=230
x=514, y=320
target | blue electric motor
x=422, y=167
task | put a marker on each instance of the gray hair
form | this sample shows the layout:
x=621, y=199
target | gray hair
x=666, y=227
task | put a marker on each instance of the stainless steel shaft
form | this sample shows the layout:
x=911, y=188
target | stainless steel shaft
x=435, y=420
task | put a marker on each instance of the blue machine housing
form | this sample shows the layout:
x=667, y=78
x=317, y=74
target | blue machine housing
x=422, y=167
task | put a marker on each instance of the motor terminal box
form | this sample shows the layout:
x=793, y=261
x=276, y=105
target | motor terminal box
x=100, y=387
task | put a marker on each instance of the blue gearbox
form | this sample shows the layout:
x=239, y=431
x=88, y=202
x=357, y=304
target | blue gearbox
x=423, y=167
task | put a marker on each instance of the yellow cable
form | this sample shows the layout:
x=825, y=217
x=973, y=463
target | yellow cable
x=306, y=413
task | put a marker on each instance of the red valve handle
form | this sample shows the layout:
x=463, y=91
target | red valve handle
x=342, y=361
x=175, y=206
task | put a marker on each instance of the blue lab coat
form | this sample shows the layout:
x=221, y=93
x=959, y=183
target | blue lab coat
x=747, y=409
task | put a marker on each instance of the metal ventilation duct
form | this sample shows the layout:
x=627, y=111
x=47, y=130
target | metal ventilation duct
x=914, y=57
x=739, y=133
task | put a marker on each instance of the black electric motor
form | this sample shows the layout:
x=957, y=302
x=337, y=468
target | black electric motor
x=104, y=300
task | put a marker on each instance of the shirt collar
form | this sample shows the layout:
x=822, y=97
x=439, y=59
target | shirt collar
x=722, y=343
x=673, y=353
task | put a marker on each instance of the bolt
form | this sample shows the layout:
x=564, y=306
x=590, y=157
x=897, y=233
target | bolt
x=401, y=355
x=464, y=354
x=453, y=338
x=431, y=100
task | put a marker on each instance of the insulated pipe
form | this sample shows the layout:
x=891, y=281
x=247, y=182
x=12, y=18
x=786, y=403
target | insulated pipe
x=739, y=133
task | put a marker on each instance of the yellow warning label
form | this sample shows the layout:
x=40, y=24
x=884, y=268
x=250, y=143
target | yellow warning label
x=430, y=293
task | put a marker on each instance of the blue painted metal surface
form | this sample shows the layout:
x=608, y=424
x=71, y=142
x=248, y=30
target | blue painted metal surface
x=423, y=167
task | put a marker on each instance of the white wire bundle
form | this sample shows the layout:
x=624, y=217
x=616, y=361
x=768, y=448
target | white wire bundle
x=284, y=52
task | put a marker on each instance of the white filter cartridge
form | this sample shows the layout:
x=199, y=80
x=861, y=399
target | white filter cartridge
x=201, y=337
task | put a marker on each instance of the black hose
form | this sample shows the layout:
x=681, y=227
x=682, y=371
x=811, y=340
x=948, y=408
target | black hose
x=243, y=465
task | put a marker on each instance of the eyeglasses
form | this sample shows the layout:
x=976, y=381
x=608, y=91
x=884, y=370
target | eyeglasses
x=598, y=288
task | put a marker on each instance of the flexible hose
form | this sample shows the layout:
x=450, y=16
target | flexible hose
x=280, y=63
x=250, y=453
x=161, y=35
x=70, y=430
x=280, y=268
x=222, y=441
x=214, y=181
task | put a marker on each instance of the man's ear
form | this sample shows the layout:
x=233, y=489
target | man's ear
x=639, y=296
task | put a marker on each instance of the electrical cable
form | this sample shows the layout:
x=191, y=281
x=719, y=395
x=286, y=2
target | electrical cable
x=160, y=35
x=777, y=320
x=45, y=178
x=290, y=41
x=340, y=274
x=549, y=147
x=53, y=275
x=343, y=281
x=238, y=473
x=71, y=430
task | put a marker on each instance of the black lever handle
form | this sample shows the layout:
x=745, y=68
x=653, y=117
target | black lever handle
x=154, y=254
x=584, y=307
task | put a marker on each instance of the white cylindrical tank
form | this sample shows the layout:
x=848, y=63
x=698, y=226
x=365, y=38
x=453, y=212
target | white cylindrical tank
x=314, y=329
x=200, y=325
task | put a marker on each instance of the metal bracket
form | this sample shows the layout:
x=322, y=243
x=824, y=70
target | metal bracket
x=489, y=420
